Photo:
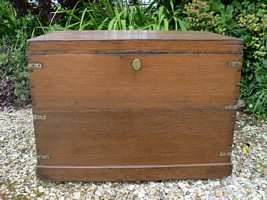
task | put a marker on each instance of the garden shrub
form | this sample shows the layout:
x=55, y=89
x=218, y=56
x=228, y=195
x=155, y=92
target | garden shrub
x=246, y=20
x=14, y=32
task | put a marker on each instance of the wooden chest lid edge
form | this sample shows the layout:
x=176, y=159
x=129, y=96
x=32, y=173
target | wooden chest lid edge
x=133, y=41
x=103, y=35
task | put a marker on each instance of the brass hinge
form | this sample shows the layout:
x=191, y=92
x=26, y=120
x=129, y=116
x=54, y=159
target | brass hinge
x=224, y=154
x=43, y=157
x=39, y=116
x=235, y=64
x=231, y=107
x=240, y=104
x=32, y=66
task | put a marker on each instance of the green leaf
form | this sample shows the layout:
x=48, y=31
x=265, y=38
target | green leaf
x=265, y=64
x=182, y=25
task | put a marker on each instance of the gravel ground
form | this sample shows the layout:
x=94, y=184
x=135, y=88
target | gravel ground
x=18, y=181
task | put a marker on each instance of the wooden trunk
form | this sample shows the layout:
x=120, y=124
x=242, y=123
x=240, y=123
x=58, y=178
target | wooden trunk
x=134, y=105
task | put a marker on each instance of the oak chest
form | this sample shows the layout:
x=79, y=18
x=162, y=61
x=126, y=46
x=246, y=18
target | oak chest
x=134, y=105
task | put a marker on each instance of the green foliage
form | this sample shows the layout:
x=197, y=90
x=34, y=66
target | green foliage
x=244, y=19
x=13, y=33
x=86, y=15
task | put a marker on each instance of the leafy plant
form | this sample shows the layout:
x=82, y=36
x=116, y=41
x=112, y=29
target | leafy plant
x=14, y=79
x=248, y=21
x=118, y=15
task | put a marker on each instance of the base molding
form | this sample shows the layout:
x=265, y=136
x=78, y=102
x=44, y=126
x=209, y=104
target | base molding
x=133, y=172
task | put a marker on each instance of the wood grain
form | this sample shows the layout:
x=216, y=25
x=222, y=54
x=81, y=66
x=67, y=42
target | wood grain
x=104, y=35
x=133, y=47
x=133, y=42
x=135, y=137
x=82, y=82
x=73, y=173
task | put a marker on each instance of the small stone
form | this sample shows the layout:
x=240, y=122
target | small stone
x=76, y=195
x=218, y=193
x=41, y=189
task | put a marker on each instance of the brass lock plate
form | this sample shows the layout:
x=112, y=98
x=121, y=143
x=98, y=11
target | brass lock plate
x=136, y=64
